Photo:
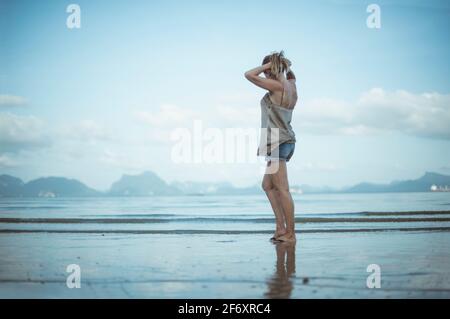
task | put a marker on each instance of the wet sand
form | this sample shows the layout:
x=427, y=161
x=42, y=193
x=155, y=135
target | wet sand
x=414, y=264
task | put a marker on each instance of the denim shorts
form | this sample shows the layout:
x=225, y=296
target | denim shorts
x=285, y=152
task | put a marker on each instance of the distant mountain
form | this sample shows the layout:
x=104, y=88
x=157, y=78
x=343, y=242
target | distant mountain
x=145, y=184
x=228, y=189
x=44, y=187
x=200, y=188
x=366, y=188
x=307, y=189
x=422, y=184
x=150, y=184
x=10, y=186
x=58, y=186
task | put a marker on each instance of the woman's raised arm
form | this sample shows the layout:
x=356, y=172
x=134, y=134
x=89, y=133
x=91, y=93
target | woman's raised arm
x=268, y=84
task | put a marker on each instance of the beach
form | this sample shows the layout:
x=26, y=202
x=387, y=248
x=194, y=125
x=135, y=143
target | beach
x=151, y=253
x=325, y=265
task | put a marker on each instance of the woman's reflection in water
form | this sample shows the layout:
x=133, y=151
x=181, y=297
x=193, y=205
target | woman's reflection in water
x=280, y=285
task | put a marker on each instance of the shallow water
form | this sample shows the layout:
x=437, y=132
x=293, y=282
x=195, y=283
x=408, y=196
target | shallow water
x=323, y=265
x=225, y=214
x=218, y=247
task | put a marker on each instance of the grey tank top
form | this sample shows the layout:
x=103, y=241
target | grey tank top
x=274, y=117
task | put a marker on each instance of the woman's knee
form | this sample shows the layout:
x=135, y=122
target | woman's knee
x=284, y=191
x=267, y=185
x=281, y=188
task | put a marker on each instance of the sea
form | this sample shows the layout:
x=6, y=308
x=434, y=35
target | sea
x=225, y=214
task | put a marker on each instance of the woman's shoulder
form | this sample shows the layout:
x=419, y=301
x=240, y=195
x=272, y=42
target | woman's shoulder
x=293, y=84
x=294, y=87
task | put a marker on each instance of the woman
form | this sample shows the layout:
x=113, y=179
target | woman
x=279, y=143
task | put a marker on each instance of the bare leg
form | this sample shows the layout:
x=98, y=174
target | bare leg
x=280, y=182
x=273, y=196
x=281, y=284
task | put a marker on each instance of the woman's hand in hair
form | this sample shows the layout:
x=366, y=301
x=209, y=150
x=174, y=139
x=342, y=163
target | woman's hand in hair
x=288, y=62
x=265, y=83
x=268, y=65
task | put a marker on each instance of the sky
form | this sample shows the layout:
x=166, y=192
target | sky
x=106, y=99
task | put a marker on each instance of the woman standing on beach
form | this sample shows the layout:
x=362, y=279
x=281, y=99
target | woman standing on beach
x=277, y=138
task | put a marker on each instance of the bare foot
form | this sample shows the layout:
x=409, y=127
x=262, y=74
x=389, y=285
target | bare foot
x=287, y=238
x=277, y=234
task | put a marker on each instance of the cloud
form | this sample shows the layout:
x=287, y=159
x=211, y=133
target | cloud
x=378, y=111
x=89, y=131
x=7, y=162
x=232, y=116
x=159, y=124
x=374, y=112
x=167, y=116
x=11, y=100
x=236, y=109
x=124, y=161
x=315, y=166
x=22, y=132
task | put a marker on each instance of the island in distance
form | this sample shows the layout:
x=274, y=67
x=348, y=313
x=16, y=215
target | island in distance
x=150, y=184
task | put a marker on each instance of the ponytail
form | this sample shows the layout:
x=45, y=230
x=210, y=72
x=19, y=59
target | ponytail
x=279, y=63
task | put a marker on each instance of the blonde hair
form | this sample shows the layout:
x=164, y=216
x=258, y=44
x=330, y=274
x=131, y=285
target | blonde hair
x=280, y=63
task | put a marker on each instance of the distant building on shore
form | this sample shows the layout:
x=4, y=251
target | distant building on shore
x=295, y=190
x=46, y=194
x=440, y=188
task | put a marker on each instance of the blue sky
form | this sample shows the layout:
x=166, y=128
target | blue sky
x=99, y=101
